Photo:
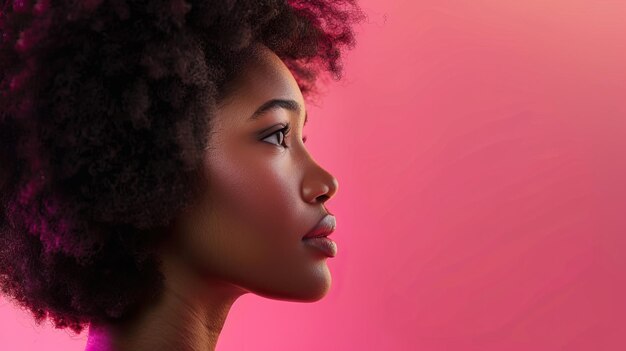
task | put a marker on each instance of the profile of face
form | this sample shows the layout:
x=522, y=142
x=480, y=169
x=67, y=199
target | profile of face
x=264, y=191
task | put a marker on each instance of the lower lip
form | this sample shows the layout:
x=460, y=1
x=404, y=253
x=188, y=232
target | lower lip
x=323, y=245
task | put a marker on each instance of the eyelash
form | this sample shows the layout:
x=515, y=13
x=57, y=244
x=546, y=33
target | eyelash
x=285, y=130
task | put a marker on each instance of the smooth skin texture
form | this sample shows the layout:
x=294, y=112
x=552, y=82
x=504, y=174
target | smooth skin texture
x=244, y=235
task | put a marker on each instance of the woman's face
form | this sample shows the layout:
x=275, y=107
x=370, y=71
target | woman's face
x=263, y=192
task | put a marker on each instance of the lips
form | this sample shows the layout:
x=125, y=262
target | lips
x=323, y=228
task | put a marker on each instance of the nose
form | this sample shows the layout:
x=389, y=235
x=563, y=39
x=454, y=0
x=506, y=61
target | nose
x=318, y=185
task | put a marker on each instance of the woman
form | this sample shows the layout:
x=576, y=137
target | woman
x=153, y=166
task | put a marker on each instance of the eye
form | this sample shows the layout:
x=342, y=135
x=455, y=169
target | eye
x=281, y=132
x=284, y=132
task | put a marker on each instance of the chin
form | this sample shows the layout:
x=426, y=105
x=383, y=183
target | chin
x=302, y=291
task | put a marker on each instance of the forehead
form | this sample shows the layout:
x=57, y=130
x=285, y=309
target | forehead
x=264, y=76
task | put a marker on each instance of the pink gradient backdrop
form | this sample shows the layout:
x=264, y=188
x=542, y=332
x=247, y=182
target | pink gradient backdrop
x=479, y=151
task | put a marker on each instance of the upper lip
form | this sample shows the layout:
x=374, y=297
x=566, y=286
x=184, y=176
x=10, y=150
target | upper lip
x=324, y=227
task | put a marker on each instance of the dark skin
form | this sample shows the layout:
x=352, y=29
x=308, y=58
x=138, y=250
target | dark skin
x=245, y=233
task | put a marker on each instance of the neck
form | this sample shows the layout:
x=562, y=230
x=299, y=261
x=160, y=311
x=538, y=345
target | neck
x=188, y=316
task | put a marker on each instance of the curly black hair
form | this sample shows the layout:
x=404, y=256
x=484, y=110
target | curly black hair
x=105, y=109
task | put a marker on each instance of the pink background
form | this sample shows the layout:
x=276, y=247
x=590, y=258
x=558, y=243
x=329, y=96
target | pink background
x=479, y=151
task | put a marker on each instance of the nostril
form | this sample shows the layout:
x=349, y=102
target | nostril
x=323, y=198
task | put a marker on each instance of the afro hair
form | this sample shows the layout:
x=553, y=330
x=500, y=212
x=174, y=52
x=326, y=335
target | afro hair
x=105, y=109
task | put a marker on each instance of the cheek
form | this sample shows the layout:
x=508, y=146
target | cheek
x=261, y=193
x=252, y=226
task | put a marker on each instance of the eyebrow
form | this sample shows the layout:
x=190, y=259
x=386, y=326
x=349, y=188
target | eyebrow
x=287, y=104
